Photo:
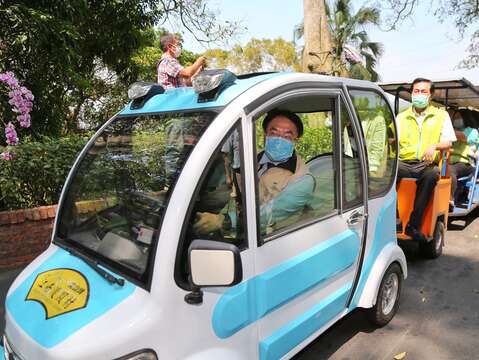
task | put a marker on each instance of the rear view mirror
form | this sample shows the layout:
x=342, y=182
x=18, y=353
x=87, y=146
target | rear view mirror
x=214, y=263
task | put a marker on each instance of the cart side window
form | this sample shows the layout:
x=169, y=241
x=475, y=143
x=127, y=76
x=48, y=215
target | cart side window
x=377, y=122
x=299, y=189
x=351, y=163
x=115, y=202
x=217, y=211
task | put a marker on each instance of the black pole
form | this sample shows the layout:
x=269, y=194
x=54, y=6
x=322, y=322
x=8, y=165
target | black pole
x=396, y=102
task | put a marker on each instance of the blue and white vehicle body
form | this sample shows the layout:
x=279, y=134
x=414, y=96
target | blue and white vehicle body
x=70, y=303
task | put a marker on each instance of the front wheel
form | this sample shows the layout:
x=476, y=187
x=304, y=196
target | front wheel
x=433, y=249
x=387, y=301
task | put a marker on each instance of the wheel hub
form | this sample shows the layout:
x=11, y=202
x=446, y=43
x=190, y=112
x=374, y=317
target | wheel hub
x=390, y=293
x=439, y=242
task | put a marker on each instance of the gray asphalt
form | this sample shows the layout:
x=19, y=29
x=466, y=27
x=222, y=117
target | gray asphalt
x=438, y=317
x=6, y=278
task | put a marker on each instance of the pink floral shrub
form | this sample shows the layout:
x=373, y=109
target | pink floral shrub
x=21, y=101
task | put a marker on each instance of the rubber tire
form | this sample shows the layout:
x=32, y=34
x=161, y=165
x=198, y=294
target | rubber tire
x=376, y=314
x=431, y=250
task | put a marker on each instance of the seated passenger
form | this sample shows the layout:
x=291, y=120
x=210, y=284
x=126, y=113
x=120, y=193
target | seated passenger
x=170, y=72
x=285, y=184
x=424, y=130
x=459, y=160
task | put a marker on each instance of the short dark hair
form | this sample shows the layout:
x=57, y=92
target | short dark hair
x=418, y=80
x=166, y=40
x=287, y=114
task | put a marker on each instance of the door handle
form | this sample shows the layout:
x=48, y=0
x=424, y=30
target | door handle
x=355, y=218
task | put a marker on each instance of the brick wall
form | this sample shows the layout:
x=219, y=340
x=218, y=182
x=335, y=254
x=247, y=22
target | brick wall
x=24, y=234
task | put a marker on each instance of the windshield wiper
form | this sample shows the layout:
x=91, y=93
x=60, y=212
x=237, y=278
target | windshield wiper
x=94, y=265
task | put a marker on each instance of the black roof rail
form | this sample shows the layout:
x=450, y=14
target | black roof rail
x=250, y=75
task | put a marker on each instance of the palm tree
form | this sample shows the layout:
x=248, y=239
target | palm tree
x=317, y=39
x=353, y=54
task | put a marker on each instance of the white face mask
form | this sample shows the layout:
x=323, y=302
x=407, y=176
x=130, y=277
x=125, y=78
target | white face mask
x=177, y=51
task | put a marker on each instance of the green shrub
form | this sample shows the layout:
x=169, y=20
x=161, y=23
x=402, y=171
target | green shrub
x=315, y=141
x=36, y=176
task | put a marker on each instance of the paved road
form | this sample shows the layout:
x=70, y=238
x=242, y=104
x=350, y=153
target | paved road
x=438, y=317
x=6, y=278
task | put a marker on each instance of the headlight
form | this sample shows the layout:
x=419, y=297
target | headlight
x=146, y=354
x=209, y=83
x=140, y=92
x=207, y=80
x=8, y=352
x=139, y=89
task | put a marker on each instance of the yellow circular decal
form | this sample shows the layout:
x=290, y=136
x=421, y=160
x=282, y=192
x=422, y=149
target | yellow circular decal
x=60, y=291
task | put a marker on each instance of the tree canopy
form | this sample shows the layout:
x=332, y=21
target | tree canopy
x=82, y=51
x=256, y=55
x=352, y=52
x=464, y=14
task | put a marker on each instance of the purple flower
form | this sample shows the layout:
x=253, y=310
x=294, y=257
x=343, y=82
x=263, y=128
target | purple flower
x=11, y=134
x=24, y=120
x=21, y=100
x=9, y=79
x=6, y=156
x=6, y=77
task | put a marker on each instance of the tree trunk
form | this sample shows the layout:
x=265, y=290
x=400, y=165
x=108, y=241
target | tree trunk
x=317, y=56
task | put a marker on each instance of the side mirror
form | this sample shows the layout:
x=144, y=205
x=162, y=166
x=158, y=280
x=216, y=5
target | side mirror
x=214, y=263
x=211, y=264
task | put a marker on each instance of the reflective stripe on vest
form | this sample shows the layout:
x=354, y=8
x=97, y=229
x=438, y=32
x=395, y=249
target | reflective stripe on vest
x=412, y=141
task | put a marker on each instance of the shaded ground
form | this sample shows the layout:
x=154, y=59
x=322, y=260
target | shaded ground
x=439, y=313
x=6, y=278
x=438, y=317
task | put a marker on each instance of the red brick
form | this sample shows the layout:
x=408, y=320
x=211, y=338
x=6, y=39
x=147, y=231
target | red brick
x=51, y=211
x=43, y=212
x=13, y=217
x=24, y=234
x=36, y=214
x=4, y=218
x=21, y=216
x=29, y=214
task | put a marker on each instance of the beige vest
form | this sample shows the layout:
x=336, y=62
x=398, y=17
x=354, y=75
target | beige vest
x=275, y=179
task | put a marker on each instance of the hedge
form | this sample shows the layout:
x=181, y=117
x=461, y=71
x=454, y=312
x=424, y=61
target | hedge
x=36, y=176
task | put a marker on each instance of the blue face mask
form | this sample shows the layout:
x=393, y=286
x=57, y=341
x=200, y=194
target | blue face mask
x=278, y=149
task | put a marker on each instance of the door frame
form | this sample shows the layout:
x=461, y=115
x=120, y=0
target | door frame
x=267, y=102
x=357, y=128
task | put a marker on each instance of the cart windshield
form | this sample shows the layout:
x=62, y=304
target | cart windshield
x=117, y=195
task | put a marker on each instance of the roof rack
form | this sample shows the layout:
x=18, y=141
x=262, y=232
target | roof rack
x=250, y=75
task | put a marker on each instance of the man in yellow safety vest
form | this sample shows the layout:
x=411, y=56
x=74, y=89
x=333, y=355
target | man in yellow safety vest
x=424, y=130
x=462, y=152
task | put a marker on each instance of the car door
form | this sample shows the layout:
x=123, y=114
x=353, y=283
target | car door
x=306, y=264
x=208, y=193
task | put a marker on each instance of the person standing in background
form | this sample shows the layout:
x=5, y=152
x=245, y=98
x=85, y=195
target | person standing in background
x=171, y=74
x=461, y=153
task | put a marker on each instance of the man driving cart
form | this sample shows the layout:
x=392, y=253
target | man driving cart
x=424, y=131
